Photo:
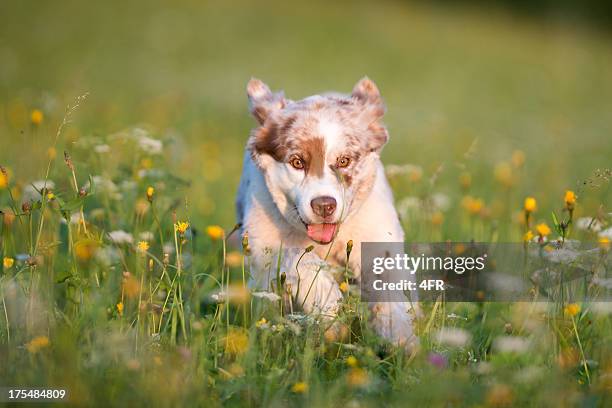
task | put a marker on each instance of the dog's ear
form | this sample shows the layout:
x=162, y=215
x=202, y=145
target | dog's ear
x=367, y=94
x=262, y=102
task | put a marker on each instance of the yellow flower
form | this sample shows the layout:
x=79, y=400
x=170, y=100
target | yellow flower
x=3, y=179
x=351, y=361
x=51, y=153
x=8, y=262
x=518, y=158
x=143, y=246
x=572, y=309
x=437, y=218
x=357, y=377
x=604, y=243
x=261, y=322
x=570, y=199
x=234, y=259
x=236, y=341
x=472, y=205
x=181, y=227
x=465, y=180
x=146, y=163
x=36, y=117
x=120, y=308
x=543, y=229
x=85, y=249
x=299, y=388
x=215, y=232
x=130, y=286
x=530, y=204
x=528, y=236
x=50, y=196
x=503, y=174
x=344, y=287
x=37, y=343
x=150, y=192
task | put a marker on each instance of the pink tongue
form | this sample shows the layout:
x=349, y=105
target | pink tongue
x=323, y=233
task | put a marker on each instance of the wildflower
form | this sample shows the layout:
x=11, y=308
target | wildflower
x=588, y=224
x=143, y=246
x=262, y=323
x=352, y=361
x=236, y=341
x=120, y=237
x=570, y=200
x=542, y=229
x=120, y=308
x=103, y=148
x=233, y=259
x=511, y=344
x=150, y=192
x=37, y=343
x=271, y=296
x=85, y=249
x=572, y=309
x=453, y=337
x=51, y=153
x=36, y=117
x=8, y=262
x=604, y=243
x=215, y=232
x=472, y=205
x=50, y=196
x=437, y=218
x=528, y=236
x=181, y=227
x=349, y=247
x=437, y=360
x=344, y=287
x=130, y=286
x=357, y=377
x=518, y=158
x=465, y=180
x=530, y=205
x=299, y=388
x=3, y=177
x=146, y=236
x=503, y=174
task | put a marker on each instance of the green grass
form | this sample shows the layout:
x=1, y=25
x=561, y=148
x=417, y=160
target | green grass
x=466, y=90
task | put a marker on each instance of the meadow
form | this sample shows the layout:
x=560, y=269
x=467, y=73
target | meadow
x=122, y=128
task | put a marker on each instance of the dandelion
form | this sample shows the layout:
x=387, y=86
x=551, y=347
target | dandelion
x=120, y=308
x=85, y=249
x=299, y=388
x=572, y=309
x=50, y=196
x=143, y=246
x=530, y=205
x=150, y=192
x=344, y=287
x=236, y=341
x=543, y=230
x=181, y=227
x=262, y=323
x=4, y=179
x=472, y=205
x=528, y=236
x=604, y=243
x=36, y=117
x=570, y=199
x=352, y=361
x=37, y=344
x=357, y=377
x=8, y=262
x=215, y=232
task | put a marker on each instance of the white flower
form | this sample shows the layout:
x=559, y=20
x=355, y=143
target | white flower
x=103, y=148
x=440, y=201
x=511, y=344
x=453, y=337
x=607, y=233
x=121, y=237
x=272, y=297
x=588, y=224
x=106, y=186
x=146, y=143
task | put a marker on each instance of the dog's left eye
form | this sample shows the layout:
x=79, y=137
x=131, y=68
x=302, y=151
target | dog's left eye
x=343, y=162
x=297, y=163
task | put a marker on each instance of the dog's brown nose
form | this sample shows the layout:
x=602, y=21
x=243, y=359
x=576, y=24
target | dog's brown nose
x=323, y=206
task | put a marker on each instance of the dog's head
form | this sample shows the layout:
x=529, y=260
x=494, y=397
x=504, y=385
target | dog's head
x=319, y=155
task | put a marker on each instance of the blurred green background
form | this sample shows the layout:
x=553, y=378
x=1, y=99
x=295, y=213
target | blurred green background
x=455, y=79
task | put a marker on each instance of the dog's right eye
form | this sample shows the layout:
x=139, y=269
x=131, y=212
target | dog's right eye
x=296, y=163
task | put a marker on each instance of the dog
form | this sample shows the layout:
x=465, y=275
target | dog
x=312, y=180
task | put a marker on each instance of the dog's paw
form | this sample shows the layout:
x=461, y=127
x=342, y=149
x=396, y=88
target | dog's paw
x=395, y=322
